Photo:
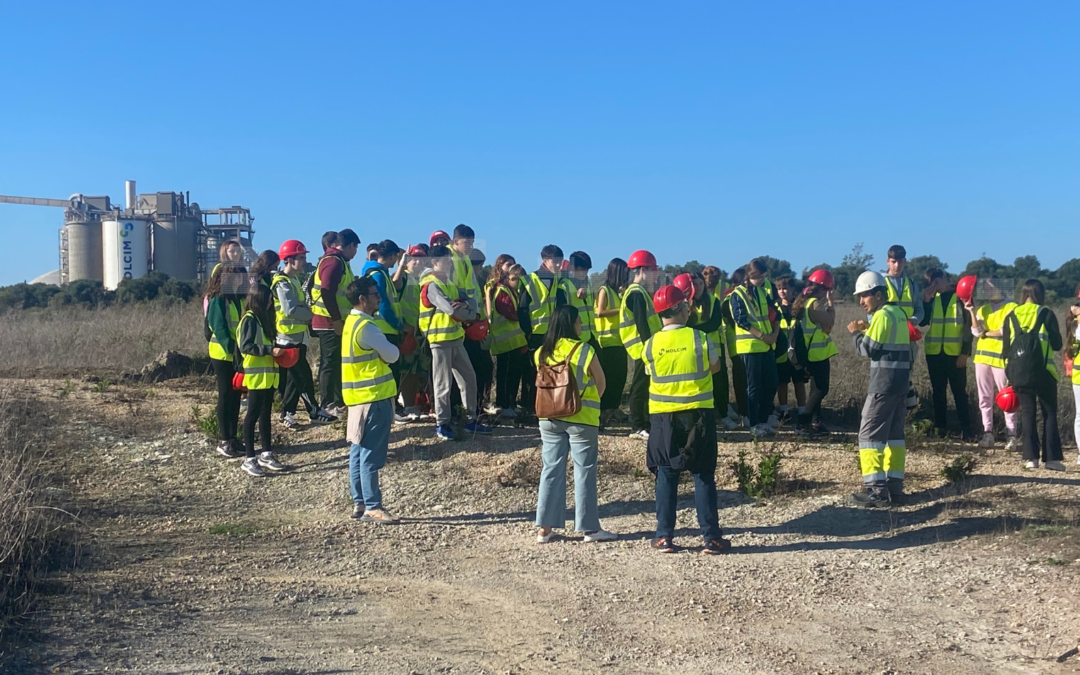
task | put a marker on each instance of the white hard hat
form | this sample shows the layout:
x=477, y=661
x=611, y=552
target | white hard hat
x=868, y=281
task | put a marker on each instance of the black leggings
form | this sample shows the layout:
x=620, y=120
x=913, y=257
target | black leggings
x=819, y=387
x=228, y=400
x=260, y=406
x=509, y=368
x=298, y=384
x=614, y=362
x=1031, y=400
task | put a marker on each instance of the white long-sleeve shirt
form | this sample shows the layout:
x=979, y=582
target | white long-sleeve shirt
x=371, y=337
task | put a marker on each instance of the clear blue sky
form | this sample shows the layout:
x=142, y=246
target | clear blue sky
x=709, y=131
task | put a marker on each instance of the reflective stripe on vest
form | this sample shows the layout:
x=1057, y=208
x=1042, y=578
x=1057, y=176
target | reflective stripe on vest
x=318, y=306
x=757, y=311
x=607, y=327
x=260, y=372
x=232, y=317
x=628, y=331
x=590, y=397
x=506, y=335
x=541, y=301
x=584, y=306
x=904, y=301
x=284, y=323
x=889, y=331
x=678, y=365
x=988, y=349
x=392, y=296
x=365, y=378
x=819, y=346
x=435, y=325
x=946, y=328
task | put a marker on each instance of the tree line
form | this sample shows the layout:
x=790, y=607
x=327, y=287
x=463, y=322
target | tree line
x=154, y=287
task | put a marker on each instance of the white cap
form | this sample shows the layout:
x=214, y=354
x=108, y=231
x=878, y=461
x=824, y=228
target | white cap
x=868, y=281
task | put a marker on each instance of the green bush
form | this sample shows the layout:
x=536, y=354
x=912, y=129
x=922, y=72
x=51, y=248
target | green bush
x=206, y=423
x=959, y=469
x=760, y=481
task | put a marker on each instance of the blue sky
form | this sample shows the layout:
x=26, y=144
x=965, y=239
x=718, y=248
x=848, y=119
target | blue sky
x=708, y=131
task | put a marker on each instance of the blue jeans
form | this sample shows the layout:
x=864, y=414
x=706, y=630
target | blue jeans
x=667, y=497
x=580, y=441
x=369, y=455
x=761, y=383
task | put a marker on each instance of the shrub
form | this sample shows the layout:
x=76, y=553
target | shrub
x=959, y=469
x=206, y=423
x=760, y=481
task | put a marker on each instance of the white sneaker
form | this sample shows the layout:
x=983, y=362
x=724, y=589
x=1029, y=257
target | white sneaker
x=746, y=422
x=508, y=413
x=600, y=535
x=987, y=440
x=400, y=418
x=413, y=413
x=1012, y=444
x=268, y=460
x=643, y=434
x=773, y=422
x=493, y=410
x=289, y=421
x=731, y=425
x=1054, y=466
x=762, y=431
x=251, y=467
x=1034, y=464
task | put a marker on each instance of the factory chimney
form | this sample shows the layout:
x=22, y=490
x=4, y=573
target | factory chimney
x=129, y=191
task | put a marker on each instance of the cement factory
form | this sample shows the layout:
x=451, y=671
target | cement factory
x=157, y=231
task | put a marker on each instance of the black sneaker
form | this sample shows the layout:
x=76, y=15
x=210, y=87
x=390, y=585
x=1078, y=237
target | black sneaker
x=357, y=512
x=663, y=545
x=227, y=449
x=871, y=499
x=716, y=546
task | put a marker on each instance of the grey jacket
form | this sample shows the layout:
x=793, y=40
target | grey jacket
x=296, y=308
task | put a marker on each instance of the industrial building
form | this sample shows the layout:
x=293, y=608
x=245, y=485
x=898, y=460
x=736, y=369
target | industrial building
x=157, y=231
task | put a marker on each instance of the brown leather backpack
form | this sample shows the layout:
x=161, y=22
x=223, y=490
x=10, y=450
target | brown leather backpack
x=557, y=392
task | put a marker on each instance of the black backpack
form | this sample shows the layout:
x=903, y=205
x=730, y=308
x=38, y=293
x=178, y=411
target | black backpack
x=1025, y=362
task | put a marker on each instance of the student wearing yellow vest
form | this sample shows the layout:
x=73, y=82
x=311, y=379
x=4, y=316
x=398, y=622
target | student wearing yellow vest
x=707, y=317
x=1072, y=355
x=332, y=276
x=813, y=310
x=389, y=320
x=415, y=366
x=681, y=362
x=229, y=253
x=947, y=347
x=986, y=324
x=885, y=340
x=786, y=373
x=442, y=310
x=293, y=316
x=575, y=287
x=508, y=342
x=755, y=340
x=612, y=353
x=256, y=334
x=738, y=372
x=576, y=436
x=264, y=268
x=224, y=306
x=540, y=294
x=467, y=258
x=637, y=322
x=904, y=293
x=1044, y=396
x=369, y=391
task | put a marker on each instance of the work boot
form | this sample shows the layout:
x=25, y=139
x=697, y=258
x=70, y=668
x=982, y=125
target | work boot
x=872, y=498
x=895, y=486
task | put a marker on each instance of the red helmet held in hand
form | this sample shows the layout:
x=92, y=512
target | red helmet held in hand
x=291, y=248
x=408, y=344
x=238, y=382
x=1007, y=400
x=288, y=358
x=685, y=283
x=965, y=287
x=641, y=259
x=477, y=331
x=914, y=334
x=824, y=278
x=667, y=297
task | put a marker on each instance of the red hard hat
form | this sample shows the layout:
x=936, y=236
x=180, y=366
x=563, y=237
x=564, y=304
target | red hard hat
x=477, y=331
x=641, y=259
x=408, y=344
x=416, y=252
x=289, y=357
x=238, y=382
x=291, y=248
x=914, y=334
x=667, y=297
x=965, y=287
x=685, y=283
x=1007, y=400
x=437, y=234
x=824, y=278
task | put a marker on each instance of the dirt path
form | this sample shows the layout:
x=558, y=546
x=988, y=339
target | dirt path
x=192, y=567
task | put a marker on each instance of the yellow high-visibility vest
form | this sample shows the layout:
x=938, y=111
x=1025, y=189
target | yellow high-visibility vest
x=392, y=295
x=410, y=301
x=215, y=348
x=541, y=301
x=584, y=306
x=946, y=328
x=1026, y=314
x=284, y=323
x=365, y=378
x=438, y=326
x=678, y=365
x=465, y=281
x=260, y=372
x=988, y=349
x=607, y=327
x=506, y=335
x=819, y=346
x=628, y=331
x=904, y=301
x=756, y=304
x=582, y=359
x=318, y=305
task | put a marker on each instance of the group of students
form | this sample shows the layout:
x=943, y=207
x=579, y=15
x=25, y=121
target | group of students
x=416, y=327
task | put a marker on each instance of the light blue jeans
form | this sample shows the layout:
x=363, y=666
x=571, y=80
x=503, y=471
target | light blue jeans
x=369, y=455
x=581, y=442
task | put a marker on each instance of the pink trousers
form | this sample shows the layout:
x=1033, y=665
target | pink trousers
x=989, y=381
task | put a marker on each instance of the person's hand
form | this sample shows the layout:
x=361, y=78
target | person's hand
x=1075, y=309
x=857, y=326
x=961, y=361
x=769, y=339
x=458, y=304
x=277, y=351
x=581, y=293
x=339, y=327
x=829, y=296
x=970, y=306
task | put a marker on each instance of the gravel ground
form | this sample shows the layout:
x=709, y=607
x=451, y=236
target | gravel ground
x=190, y=566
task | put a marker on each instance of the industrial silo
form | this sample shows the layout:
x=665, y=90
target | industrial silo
x=175, y=236
x=84, y=249
x=127, y=254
